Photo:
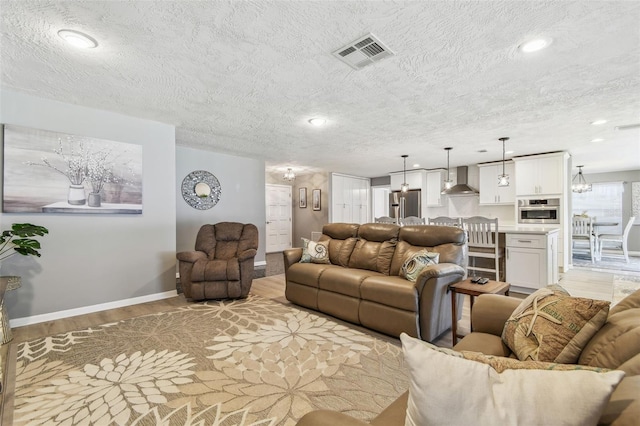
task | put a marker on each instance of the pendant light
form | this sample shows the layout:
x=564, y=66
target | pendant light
x=448, y=183
x=503, y=179
x=405, y=186
x=289, y=175
x=579, y=183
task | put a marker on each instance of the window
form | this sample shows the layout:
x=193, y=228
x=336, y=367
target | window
x=604, y=203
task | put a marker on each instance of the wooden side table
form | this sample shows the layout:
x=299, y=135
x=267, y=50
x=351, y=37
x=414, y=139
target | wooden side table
x=472, y=290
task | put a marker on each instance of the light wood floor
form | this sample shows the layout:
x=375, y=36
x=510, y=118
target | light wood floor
x=579, y=282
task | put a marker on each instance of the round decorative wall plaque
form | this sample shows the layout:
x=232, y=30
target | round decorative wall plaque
x=201, y=190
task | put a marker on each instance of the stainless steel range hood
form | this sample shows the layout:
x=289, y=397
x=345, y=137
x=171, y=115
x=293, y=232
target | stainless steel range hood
x=462, y=188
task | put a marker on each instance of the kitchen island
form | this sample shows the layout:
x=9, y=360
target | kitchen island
x=531, y=254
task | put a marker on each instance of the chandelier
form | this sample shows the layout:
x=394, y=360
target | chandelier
x=579, y=183
x=289, y=175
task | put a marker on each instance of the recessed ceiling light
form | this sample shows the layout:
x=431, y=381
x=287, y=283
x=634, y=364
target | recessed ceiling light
x=535, y=44
x=78, y=39
x=416, y=165
x=598, y=122
x=317, y=121
x=509, y=152
x=597, y=140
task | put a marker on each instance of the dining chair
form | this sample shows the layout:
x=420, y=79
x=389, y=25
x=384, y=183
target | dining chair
x=386, y=219
x=482, y=234
x=620, y=240
x=445, y=221
x=582, y=231
x=411, y=220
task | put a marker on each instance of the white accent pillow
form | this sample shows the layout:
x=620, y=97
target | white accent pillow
x=448, y=390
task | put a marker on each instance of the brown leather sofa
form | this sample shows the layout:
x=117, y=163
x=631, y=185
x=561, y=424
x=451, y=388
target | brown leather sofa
x=221, y=266
x=362, y=284
x=615, y=346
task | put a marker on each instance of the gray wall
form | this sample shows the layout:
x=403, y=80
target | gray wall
x=628, y=177
x=242, y=200
x=306, y=220
x=95, y=259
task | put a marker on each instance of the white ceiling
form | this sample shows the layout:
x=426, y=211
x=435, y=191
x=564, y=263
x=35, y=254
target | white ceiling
x=243, y=77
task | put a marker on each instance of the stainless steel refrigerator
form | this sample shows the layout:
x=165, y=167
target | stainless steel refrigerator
x=405, y=204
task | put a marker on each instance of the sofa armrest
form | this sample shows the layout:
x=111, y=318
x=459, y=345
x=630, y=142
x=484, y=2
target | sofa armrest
x=491, y=312
x=434, y=300
x=328, y=418
x=191, y=256
x=291, y=256
x=247, y=254
x=440, y=270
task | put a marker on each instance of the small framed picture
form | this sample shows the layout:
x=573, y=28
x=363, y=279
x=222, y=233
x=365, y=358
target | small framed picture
x=303, y=198
x=315, y=199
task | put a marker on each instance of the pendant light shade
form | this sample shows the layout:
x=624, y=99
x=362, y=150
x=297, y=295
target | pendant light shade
x=503, y=179
x=579, y=183
x=448, y=183
x=405, y=186
x=289, y=175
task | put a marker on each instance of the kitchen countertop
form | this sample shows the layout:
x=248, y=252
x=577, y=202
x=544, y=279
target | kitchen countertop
x=528, y=229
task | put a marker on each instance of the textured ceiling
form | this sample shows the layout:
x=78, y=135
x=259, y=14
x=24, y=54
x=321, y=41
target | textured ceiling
x=243, y=77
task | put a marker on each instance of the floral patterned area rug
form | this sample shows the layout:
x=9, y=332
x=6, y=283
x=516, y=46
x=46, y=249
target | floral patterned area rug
x=245, y=362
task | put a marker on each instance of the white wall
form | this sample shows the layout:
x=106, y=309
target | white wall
x=242, y=200
x=96, y=259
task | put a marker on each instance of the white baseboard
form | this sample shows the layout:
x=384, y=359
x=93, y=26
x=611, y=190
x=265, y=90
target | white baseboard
x=35, y=319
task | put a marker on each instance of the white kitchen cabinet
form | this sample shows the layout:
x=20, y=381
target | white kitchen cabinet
x=540, y=175
x=532, y=260
x=349, y=199
x=434, y=187
x=490, y=192
x=415, y=179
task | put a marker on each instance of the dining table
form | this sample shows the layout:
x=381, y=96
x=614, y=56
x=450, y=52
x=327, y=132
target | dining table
x=596, y=226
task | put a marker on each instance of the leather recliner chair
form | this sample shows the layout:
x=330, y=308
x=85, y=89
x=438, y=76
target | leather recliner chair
x=221, y=266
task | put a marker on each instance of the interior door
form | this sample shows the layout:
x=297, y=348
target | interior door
x=278, y=227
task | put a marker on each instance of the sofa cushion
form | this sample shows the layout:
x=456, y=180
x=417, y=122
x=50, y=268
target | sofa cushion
x=308, y=273
x=372, y=255
x=345, y=281
x=340, y=250
x=215, y=270
x=550, y=326
x=483, y=342
x=416, y=263
x=616, y=344
x=314, y=252
x=477, y=394
x=391, y=291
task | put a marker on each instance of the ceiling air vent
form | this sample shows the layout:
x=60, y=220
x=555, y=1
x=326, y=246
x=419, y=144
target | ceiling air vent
x=362, y=52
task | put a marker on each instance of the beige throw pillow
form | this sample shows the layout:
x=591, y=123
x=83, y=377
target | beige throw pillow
x=551, y=326
x=313, y=252
x=446, y=389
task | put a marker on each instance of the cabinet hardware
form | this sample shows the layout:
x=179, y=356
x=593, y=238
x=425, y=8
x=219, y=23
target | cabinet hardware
x=525, y=241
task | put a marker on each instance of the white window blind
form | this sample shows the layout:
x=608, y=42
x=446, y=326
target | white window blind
x=604, y=202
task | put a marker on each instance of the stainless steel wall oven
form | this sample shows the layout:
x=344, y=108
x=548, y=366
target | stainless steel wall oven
x=541, y=211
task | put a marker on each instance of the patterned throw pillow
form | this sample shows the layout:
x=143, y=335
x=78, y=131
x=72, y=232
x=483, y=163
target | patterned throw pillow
x=552, y=326
x=416, y=263
x=314, y=252
x=500, y=363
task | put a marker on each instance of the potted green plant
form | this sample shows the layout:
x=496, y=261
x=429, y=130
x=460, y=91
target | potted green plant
x=19, y=239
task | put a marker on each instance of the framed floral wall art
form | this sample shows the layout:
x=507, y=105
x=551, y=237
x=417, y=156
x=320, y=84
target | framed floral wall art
x=315, y=199
x=303, y=198
x=51, y=172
